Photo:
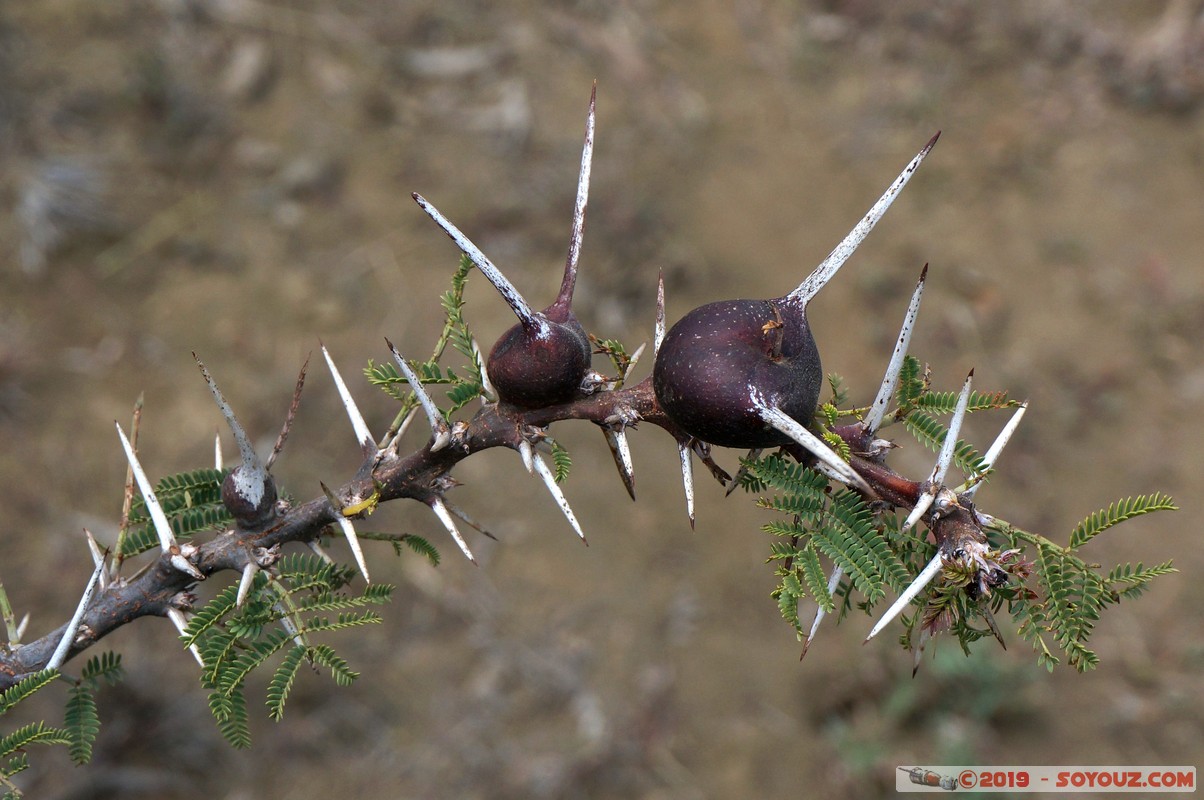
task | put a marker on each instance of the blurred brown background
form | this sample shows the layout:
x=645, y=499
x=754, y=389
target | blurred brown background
x=232, y=177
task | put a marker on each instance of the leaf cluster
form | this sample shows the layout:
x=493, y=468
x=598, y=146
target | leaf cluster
x=303, y=597
x=1053, y=594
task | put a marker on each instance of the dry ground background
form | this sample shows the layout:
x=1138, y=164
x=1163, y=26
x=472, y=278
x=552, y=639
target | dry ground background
x=237, y=177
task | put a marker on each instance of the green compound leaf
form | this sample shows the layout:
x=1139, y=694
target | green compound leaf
x=1117, y=513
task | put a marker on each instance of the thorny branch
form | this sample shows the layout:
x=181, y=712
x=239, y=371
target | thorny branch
x=163, y=586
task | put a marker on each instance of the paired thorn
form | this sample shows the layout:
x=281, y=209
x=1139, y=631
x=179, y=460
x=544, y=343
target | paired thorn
x=182, y=562
x=828, y=462
x=319, y=551
x=467, y=520
x=684, y=452
x=358, y=424
x=820, y=613
x=488, y=393
x=353, y=541
x=98, y=556
x=244, y=584
x=181, y=622
x=820, y=276
x=441, y=510
x=944, y=460
x=218, y=461
x=293, y=405
x=549, y=479
x=167, y=538
x=873, y=420
x=249, y=458
x=616, y=439
x=522, y=309
x=439, y=426
x=923, y=579
x=64, y=646
x=565, y=297
x=996, y=450
x=527, y=452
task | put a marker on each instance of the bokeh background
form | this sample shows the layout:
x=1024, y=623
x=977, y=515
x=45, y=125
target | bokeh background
x=232, y=177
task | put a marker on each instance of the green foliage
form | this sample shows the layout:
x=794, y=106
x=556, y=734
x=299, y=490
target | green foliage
x=192, y=502
x=282, y=611
x=561, y=461
x=462, y=389
x=1118, y=512
x=1053, y=595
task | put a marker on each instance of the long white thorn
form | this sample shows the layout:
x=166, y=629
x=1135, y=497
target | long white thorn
x=616, y=439
x=362, y=434
x=923, y=503
x=659, y=334
x=441, y=511
x=60, y=652
x=522, y=309
x=835, y=260
x=685, y=454
x=996, y=448
x=635, y=358
x=167, y=538
x=98, y=556
x=527, y=453
x=489, y=394
x=873, y=420
x=181, y=622
x=218, y=462
x=923, y=579
x=460, y=514
x=353, y=541
x=439, y=425
x=820, y=613
x=945, y=459
x=244, y=584
x=250, y=460
x=319, y=551
x=836, y=466
x=587, y=157
x=549, y=480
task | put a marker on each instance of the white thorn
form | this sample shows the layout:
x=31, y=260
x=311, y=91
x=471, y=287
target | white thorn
x=98, y=556
x=684, y=453
x=353, y=542
x=923, y=503
x=587, y=156
x=167, y=539
x=489, y=393
x=659, y=334
x=21, y=629
x=527, y=452
x=402, y=428
x=835, y=260
x=549, y=480
x=440, y=508
x=616, y=438
x=319, y=551
x=997, y=448
x=635, y=358
x=945, y=459
x=522, y=309
x=218, y=461
x=873, y=420
x=467, y=520
x=60, y=652
x=923, y=579
x=289, y=626
x=820, y=613
x=362, y=434
x=181, y=563
x=244, y=585
x=250, y=460
x=180, y=621
x=836, y=466
x=438, y=424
